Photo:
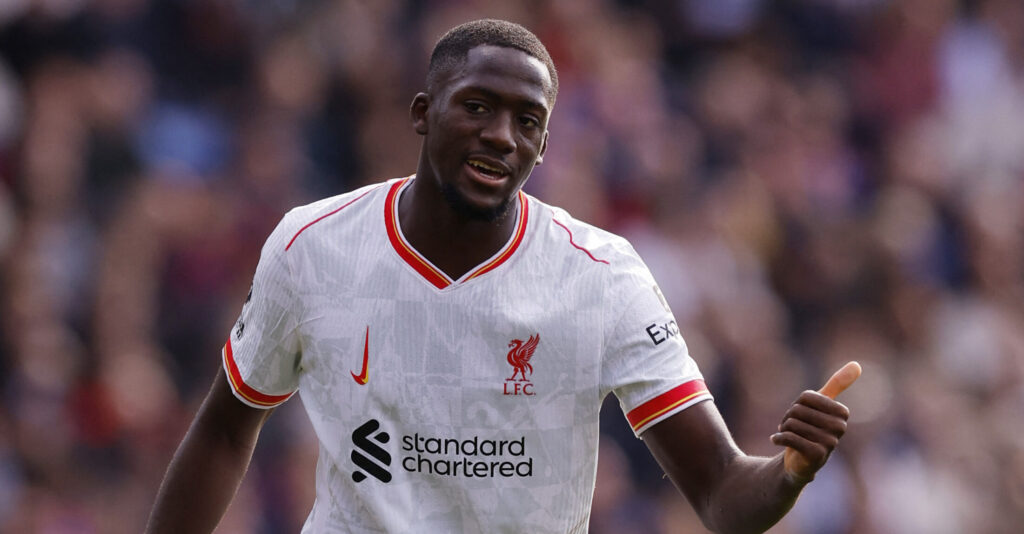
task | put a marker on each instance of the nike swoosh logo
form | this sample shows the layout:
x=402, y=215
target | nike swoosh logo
x=364, y=377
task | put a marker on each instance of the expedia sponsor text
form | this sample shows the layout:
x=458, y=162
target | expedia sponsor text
x=659, y=333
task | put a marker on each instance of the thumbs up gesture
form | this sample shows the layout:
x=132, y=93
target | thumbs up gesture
x=812, y=427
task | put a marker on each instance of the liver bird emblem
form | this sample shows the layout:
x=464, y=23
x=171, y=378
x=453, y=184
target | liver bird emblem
x=519, y=356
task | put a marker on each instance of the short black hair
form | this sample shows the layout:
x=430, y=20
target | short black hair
x=451, y=50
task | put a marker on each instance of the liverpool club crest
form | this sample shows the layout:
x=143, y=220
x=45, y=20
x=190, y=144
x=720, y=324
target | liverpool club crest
x=519, y=357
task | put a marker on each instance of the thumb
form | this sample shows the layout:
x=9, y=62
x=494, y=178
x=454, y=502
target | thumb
x=841, y=380
x=795, y=463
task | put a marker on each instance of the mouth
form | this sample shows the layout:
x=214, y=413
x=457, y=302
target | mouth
x=490, y=171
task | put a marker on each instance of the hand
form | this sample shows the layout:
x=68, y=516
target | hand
x=812, y=427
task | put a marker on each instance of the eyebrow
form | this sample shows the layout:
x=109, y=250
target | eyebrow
x=528, y=102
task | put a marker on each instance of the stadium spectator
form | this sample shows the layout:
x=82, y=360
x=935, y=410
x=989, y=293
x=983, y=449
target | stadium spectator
x=809, y=181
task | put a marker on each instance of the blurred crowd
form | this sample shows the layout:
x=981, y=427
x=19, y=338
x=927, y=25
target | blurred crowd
x=811, y=181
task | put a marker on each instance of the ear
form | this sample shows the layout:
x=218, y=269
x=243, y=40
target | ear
x=543, y=148
x=418, y=112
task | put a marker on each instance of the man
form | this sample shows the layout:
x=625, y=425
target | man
x=453, y=339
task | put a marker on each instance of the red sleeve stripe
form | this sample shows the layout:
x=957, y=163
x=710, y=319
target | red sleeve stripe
x=517, y=238
x=573, y=243
x=326, y=215
x=243, y=389
x=666, y=402
x=435, y=277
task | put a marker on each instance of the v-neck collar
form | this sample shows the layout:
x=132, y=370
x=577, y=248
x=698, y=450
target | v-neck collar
x=436, y=277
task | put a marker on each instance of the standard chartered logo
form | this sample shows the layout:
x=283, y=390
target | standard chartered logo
x=361, y=439
x=472, y=457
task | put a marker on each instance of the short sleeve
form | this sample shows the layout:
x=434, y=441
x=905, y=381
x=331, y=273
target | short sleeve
x=646, y=362
x=262, y=354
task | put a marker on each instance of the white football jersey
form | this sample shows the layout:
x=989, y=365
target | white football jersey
x=466, y=405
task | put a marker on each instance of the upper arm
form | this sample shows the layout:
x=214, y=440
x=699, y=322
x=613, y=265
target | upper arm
x=224, y=414
x=263, y=351
x=209, y=464
x=659, y=386
x=645, y=362
x=694, y=448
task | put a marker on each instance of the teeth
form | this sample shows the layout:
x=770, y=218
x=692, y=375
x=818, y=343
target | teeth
x=485, y=167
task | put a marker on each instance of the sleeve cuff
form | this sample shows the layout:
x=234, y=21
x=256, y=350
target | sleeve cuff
x=666, y=404
x=244, y=392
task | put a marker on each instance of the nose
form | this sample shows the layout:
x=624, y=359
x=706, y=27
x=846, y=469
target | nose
x=499, y=133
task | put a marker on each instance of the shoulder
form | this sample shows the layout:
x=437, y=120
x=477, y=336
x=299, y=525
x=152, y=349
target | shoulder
x=303, y=222
x=563, y=235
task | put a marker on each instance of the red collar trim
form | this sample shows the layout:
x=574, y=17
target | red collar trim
x=427, y=270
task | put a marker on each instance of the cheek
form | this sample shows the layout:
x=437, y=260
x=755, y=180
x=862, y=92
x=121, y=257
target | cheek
x=530, y=146
x=452, y=132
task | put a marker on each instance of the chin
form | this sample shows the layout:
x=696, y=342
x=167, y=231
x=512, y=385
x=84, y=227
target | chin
x=464, y=208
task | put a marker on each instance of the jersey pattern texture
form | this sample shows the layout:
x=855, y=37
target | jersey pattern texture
x=466, y=405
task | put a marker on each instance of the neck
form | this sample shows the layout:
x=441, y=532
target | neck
x=454, y=242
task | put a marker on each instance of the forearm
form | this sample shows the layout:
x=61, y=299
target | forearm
x=753, y=494
x=733, y=492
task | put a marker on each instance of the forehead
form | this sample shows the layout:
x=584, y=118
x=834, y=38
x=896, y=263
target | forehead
x=502, y=70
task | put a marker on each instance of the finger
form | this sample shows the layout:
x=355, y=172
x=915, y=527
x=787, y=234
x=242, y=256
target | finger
x=833, y=424
x=841, y=380
x=800, y=444
x=813, y=401
x=802, y=454
x=811, y=433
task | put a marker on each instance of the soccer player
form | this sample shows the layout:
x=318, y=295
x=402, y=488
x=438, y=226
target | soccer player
x=453, y=338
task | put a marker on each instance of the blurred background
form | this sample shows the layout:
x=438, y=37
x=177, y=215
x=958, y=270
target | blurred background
x=811, y=181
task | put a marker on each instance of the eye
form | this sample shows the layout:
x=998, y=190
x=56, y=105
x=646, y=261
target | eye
x=529, y=121
x=475, y=107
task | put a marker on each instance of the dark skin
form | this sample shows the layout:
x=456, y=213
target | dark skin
x=494, y=111
x=208, y=467
x=485, y=128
